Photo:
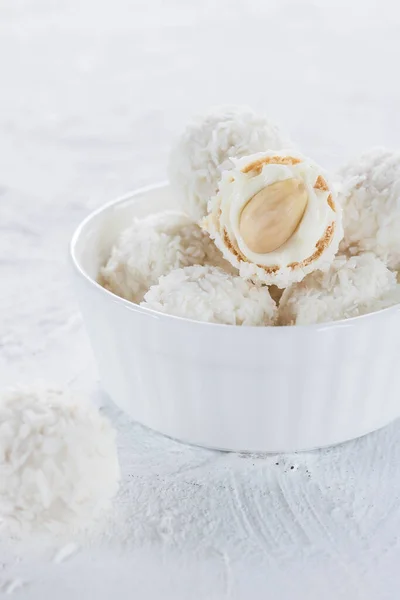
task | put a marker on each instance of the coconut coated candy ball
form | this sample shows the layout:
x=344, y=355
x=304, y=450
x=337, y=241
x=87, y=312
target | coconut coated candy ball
x=212, y=295
x=352, y=286
x=276, y=217
x=371, y=205
x=154, y=246
x=206, y=146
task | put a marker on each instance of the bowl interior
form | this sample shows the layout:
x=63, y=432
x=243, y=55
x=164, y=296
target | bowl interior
x=93, y=240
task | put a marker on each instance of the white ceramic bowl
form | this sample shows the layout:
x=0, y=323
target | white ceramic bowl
x=233, y=388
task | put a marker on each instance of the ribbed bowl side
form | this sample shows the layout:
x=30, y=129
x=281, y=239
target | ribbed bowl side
x=246, y=389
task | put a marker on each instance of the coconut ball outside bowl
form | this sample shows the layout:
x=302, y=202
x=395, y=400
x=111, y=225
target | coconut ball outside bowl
x=242, y=388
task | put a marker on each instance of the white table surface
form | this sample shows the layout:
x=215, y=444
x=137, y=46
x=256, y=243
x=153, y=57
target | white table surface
x=91, y=95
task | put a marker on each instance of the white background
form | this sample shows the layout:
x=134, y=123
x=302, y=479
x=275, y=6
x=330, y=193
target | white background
x=91, y=94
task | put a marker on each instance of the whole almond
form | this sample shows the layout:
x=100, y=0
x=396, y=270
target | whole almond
x=272, y=215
